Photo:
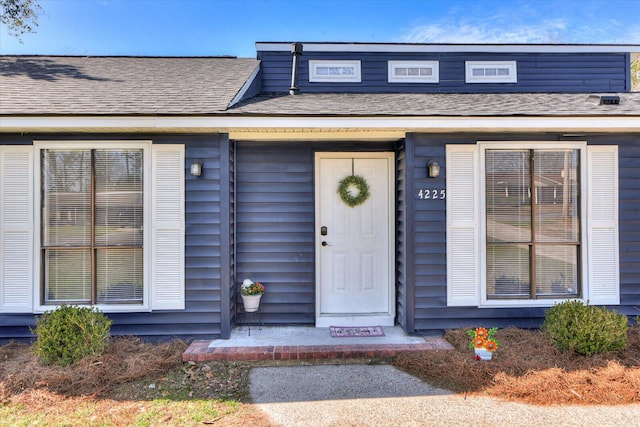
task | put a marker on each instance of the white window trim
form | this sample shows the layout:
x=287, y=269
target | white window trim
x=107, y=308
x=356, y=77
x=510, y=65
x=433, y=78
x=483, y=147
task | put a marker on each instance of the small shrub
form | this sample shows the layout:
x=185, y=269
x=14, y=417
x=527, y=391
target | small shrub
x=585, y=329
x=69, y=333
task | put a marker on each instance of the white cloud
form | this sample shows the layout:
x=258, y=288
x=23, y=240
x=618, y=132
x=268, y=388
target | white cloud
x=488, y=32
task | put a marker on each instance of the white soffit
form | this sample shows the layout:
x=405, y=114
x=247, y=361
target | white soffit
x=328, y=125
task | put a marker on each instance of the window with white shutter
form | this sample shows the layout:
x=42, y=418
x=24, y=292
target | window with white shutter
x=111, y=229
x=531, y=224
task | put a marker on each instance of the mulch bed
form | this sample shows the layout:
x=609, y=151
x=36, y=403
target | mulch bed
x=528, y=368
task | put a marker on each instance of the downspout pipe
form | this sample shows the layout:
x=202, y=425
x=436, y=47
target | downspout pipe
x=296, y=51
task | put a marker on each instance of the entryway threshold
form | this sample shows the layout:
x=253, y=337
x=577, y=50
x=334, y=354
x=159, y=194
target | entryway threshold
x=307, y=343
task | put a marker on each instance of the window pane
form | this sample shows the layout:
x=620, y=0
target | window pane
x=67, y=275
x=66, y=202
x=557, y=270
x=508, y=201
x=556, y=196
x=119, y=201
x=508, y=271
x=119, y=276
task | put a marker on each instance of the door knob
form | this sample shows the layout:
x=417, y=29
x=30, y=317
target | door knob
x=325, y=244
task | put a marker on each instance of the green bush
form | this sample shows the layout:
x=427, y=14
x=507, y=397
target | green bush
x=585, y=329
x=69, y=333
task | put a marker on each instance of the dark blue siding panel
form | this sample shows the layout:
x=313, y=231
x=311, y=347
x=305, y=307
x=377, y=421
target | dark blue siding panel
x=203, y=303
x=537, y=72
x=403, y=297
x=275, y=223
x=429, y=225
x=275, y=218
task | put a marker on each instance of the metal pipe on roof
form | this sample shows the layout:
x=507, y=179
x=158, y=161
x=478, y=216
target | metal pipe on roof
x=296, y=51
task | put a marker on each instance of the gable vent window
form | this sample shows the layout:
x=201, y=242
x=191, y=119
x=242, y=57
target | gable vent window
x=491, y=72
x=334, y=71
x=413, y=72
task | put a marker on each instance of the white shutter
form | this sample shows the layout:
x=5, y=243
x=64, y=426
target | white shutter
x=463, y=224
x=602, y=226
x=16, y=229
x=167, y=227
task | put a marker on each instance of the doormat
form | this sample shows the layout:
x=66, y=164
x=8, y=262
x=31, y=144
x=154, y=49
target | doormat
x=356, y=331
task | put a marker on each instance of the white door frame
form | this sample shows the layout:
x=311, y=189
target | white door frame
x=382, y=319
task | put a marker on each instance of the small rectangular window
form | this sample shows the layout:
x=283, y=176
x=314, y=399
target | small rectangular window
x=491, y=72
x=334, y=71
x=413, y=72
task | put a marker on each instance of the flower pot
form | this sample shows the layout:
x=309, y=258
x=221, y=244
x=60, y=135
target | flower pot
x=251, y=302
x=483, y=353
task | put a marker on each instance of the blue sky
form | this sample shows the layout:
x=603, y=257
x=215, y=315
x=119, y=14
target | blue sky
x=231, y=27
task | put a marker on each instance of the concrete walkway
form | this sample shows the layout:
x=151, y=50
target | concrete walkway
x=307, y=343
x=381, y=395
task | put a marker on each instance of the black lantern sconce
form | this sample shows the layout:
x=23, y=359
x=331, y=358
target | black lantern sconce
x=196, y=168
x=433, y=169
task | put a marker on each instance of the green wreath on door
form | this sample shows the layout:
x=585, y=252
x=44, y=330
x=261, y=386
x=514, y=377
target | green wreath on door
x=354, y=198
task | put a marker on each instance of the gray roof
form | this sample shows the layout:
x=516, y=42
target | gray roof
x=56, y=85
x=453, y=104
x=53, y=85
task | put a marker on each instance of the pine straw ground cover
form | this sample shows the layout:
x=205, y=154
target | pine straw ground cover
x=527, y=368
x=132, y=383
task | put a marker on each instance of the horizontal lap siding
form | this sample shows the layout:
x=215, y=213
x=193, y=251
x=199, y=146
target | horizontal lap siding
x=537, y=72
x=275, y=201
x=429, y=234
x=203, y=304
x=402, y=296
x=275, y=238
x=629, y=223
x=201, y=317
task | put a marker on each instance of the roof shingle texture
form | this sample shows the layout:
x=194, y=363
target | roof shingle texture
x=119, y=86
x=440, y=104
x=52, y=85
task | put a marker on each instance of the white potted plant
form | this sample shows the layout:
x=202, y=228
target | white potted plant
x=251, y=293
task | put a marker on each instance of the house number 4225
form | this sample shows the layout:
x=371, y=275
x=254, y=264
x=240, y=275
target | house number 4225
x=428, y=194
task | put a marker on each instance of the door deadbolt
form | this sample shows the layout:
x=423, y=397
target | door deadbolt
x=323, y=230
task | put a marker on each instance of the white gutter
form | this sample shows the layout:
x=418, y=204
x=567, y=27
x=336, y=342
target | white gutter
x=17, y=124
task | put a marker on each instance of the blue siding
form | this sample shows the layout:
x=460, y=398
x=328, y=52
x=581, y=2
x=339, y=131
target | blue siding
x=537, y=72
x=275, y=224
x=404, y=242
x=275, y=228
x=431, y=311
x=202, y=314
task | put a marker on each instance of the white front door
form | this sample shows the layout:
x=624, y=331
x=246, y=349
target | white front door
x=354, y=245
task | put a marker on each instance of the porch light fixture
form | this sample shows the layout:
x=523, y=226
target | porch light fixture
x=196, y=168
x=433, y=168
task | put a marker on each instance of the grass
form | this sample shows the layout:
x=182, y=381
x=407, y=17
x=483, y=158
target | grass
x=133, y=383
x=140, y=384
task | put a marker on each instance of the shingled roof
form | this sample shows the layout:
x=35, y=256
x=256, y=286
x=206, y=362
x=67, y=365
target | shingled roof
x=453, y=104
x=197, y=86
x=54, y=85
